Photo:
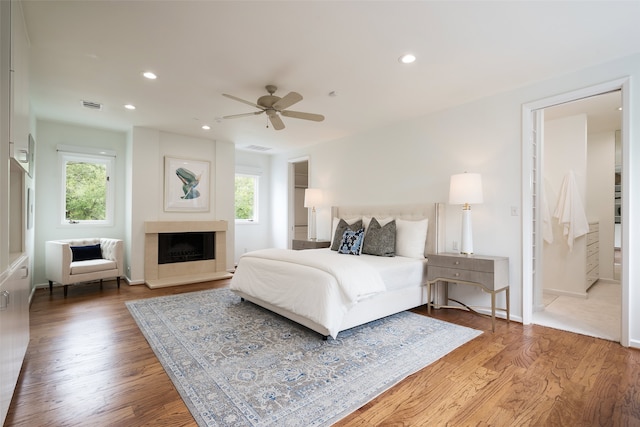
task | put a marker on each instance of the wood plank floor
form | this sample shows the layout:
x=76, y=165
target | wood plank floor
x=88, y=364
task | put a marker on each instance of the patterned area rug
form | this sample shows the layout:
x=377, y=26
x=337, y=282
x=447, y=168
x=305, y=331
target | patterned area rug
x=237, y=364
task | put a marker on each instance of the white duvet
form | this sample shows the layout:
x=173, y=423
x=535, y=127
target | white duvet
x=320, y=285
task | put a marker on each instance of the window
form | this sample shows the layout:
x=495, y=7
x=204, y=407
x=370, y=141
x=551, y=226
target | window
x=87, y=188
x=246, y=199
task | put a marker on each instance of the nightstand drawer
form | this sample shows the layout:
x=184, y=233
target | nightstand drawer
x=461, y=262
x=309, y=244
x=453, y=274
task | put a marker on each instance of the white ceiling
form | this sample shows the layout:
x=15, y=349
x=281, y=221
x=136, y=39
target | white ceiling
x=97, y=51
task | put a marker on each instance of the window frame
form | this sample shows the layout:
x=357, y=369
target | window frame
x=244, y=172
x=102, y=157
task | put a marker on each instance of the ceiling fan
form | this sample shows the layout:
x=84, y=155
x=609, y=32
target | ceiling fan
x=272, y=105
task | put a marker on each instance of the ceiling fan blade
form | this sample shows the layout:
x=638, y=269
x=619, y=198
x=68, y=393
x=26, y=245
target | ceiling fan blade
x=276, y=121
x=235, y=116
x=287, y=101
x=243, y=101
x=304, y=116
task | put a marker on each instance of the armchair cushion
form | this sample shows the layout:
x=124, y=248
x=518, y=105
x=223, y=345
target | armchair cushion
x=92, y=266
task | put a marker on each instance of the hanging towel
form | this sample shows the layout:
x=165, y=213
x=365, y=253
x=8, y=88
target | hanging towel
x=570, y=211
x=547, y=227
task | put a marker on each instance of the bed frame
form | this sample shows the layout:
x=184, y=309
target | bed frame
x=387, y=303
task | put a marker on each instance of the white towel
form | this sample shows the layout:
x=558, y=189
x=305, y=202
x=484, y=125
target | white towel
x=570, y=211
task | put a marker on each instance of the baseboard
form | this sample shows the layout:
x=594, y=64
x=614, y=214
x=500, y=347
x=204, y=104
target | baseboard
x=133, y=282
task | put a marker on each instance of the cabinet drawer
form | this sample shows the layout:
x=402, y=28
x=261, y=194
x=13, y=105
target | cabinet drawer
x=592, y=238
x=594, y=226
x=592, y=262
x=462, y=263
x=593, y=249
x=453, y=274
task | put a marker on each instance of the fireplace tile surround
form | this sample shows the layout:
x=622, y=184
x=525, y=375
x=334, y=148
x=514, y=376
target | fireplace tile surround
x=163, y=275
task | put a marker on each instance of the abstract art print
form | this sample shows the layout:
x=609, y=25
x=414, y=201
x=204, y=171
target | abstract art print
x=186, y=185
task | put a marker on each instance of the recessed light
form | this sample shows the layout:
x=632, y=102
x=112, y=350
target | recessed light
x=407, y=58
x=149, y=75
x=130, y=107
x=206, y=127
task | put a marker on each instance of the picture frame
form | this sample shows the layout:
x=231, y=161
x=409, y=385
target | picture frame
x=186, y=185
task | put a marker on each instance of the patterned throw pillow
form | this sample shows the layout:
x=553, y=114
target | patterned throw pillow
x=380, y=241
x=340, y=229
x=351, y=242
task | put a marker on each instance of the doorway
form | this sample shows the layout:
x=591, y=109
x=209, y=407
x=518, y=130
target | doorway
x=298, y=215
x=534, y=186
x=580, y=292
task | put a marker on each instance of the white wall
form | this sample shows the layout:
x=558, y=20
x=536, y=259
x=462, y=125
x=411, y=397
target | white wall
x=48, y=196
x=412, y=163
x=147, y=148
x=565, y=150
x=256, y=235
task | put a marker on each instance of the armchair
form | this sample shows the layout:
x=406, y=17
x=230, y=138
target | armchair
x=72, y=261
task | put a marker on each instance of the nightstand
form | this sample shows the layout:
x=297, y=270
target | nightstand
x=309, y=244
x=489, y=273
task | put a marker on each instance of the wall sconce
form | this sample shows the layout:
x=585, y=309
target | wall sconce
x=465, y=189
x=312, y=198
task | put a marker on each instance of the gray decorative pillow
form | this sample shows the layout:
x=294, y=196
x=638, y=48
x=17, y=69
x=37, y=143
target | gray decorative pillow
x=340, y=229
x=380, y=241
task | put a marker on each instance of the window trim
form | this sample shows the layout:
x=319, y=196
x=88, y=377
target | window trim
x=88, y=155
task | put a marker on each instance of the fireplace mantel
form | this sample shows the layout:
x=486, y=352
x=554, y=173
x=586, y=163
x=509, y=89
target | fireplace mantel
x=158, y=276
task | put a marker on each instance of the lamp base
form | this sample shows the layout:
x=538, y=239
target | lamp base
x=466, y=242
x=312, y=225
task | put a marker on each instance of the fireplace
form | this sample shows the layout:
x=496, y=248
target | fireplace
x=183, y=252
x=185, y=247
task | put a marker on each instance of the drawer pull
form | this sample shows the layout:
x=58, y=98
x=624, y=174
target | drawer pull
x=457, y=262
x=456, y=275
x=4, y=302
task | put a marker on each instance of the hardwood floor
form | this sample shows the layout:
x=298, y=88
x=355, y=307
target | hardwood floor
x=89, y=364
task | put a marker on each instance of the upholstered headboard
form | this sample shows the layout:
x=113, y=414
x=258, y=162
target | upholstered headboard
x=432, y=211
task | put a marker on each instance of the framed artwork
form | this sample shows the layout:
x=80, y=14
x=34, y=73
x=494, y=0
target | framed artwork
x=186, y=185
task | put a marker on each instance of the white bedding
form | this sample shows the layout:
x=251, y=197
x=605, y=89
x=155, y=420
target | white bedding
x=321, y=284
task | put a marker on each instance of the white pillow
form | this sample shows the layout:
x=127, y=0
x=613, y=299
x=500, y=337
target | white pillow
x=411, y=237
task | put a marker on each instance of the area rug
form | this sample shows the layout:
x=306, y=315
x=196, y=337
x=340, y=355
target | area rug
x=237, y=364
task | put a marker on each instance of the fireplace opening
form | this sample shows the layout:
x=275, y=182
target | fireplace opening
x=185, y=247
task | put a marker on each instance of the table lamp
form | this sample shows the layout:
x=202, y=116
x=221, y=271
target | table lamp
x=312, y=198
x=465, y=189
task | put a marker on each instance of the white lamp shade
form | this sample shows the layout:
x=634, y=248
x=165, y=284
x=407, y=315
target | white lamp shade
x=312, y=197
x=465, y=188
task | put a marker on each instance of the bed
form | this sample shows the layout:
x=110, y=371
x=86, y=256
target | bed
x=328, y=291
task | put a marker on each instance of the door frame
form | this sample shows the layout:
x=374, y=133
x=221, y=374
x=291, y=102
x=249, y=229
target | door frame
x=531, y=165
x=291, y=195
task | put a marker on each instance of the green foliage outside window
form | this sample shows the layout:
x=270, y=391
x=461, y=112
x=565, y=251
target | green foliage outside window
x=245, y=197
x=86, y=191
